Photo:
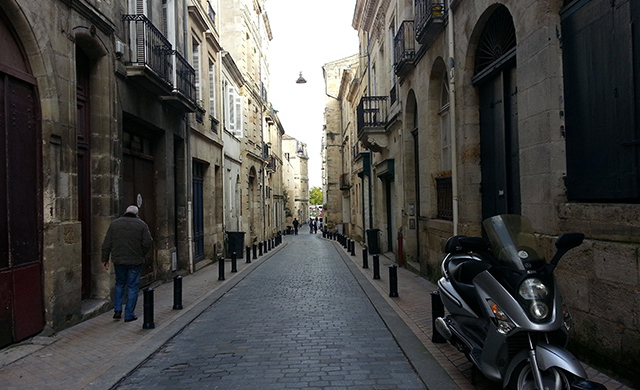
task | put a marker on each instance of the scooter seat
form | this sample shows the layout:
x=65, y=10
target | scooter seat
x=463, y=270
x=461, y=273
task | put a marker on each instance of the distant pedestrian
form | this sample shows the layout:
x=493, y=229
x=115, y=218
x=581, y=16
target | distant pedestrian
x=315, y=225
x=127, y=242
x=295, y=225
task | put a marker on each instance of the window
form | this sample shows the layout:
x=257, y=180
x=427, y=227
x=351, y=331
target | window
x=211, y=13
x=445, y=126
x=233, y=111
x=195, y=62
x=212, y=89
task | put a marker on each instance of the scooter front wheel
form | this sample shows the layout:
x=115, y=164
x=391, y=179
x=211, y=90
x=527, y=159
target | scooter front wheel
x=552, y=379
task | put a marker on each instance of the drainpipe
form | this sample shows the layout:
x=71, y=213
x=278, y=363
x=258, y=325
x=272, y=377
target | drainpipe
x=452, y=110
x=188, y=178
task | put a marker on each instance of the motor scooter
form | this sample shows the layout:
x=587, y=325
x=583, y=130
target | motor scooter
x=506, y=313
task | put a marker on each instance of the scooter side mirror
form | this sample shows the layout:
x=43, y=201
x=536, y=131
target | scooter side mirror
x=463, y=244
x=563, y=244
x=569, y=241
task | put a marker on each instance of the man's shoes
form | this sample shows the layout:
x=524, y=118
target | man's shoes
x=117, y=315
x=130, y=319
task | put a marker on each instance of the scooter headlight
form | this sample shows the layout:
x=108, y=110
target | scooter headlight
x=535, y=293
x=539, y=310
x=533, y=289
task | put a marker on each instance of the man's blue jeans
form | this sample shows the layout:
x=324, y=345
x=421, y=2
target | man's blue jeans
x=129, y=276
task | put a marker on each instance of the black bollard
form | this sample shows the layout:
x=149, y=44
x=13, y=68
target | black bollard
x=177, y=292
x=234, y=262
x=353, y=247
x=148, y=309
x=248, y=254
x=365, y=258
x=376, y=267
x=260, y=248
x=393, y=281
x=264, y=247
x=437, y=310
x=255, y=251
x=221, y=268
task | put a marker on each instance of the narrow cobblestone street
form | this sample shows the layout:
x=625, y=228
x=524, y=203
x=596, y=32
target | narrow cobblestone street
x=299, y=321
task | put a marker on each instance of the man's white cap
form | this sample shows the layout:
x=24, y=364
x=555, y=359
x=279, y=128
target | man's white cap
x=132, y=210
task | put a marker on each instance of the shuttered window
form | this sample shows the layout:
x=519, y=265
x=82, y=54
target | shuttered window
x=233, y=114
x=600, y=58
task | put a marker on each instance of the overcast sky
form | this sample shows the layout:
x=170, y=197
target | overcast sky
x=306, y=35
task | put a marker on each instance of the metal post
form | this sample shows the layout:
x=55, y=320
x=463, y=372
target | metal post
x=437, y=310
x=353, y=247
x=221, y=268
x=248, y=254
x=148, y=309
x=376, y=266
x=234, y=262
x=365, y=258
x=393, y=281
x=255, y=251
x=177, y=292
x=260, y=248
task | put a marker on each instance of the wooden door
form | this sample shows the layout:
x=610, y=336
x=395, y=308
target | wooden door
x=138, y=171
x=21, y=291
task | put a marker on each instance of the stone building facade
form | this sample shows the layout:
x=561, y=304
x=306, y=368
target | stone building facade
x=104, y=104
x=295, y=160
x=246, y=34
x=466, y=109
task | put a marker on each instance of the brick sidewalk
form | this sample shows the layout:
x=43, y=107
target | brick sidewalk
x=413, y=305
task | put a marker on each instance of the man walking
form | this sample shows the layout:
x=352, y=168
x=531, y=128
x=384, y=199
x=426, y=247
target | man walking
x=295, y=225
x=127, y=242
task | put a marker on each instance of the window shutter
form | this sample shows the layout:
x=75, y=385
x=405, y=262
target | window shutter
x=212, y=90
x=230, y=116
x=601, y=133
x=238, y=112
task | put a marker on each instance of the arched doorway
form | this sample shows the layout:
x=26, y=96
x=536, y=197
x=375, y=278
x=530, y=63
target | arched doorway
x=495, y=78
x=21, y=300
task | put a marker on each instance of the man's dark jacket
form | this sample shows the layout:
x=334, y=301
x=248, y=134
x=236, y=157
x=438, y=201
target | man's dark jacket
x=127, y=241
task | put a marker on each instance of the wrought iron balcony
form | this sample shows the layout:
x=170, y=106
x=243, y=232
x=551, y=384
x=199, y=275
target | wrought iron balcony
x=372, y=113
x=404, y=48
x=157, y=67
x=149, y=61
x=372, y=121
x=183, y=95
x=430, y=16
x=272, y=164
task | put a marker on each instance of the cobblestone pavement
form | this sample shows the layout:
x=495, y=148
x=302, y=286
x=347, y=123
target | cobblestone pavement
x=99, y=352
x=299, y=321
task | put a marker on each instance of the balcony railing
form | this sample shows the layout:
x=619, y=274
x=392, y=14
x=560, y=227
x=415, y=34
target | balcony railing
x=372, y=113
x=429, y=20
x=404, y=47
x=444, y=193
x=271, y=164
x=184, y=76
x=149, y=48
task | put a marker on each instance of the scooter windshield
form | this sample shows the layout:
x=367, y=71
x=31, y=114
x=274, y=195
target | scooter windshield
x=512, y=242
